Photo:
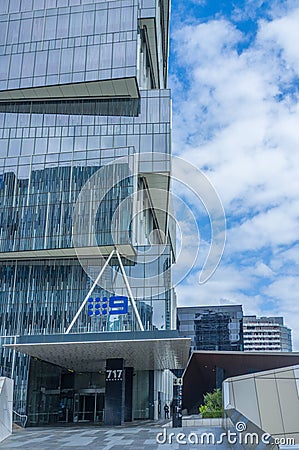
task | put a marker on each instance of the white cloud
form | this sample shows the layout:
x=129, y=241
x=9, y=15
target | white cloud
x=236, y=115
x=227, y=286
x=263, y=270
x=282, y=33
x=275, y=227
x=199, y=2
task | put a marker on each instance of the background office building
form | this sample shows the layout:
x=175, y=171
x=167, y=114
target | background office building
x=83, y=92
x=212, y=327
x=266, y=334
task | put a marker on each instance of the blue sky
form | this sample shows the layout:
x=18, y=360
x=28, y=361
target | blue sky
x=234, y=73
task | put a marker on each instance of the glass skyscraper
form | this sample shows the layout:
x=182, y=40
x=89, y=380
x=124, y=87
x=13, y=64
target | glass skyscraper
x=210, y=328
x=84, y=107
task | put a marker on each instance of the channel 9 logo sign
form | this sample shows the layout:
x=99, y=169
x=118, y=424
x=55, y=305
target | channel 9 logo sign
x=103, y=306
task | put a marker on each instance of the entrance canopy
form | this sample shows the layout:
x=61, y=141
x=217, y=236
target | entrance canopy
x=87, y=352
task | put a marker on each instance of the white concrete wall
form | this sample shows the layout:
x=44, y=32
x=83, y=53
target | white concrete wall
x=6, y=405
x=269, y=400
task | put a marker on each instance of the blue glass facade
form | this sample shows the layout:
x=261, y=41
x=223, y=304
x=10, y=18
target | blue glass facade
x=82, y=83
x=67, y=44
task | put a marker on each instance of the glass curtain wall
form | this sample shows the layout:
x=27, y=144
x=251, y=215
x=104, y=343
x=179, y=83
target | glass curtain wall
x=57, y=128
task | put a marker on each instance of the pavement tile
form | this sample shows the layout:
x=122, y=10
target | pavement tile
x=139, y=437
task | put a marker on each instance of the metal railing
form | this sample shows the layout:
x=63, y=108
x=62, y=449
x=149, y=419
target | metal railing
x=23, y=419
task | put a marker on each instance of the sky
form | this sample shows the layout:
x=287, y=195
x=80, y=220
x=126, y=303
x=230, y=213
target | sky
x=234, y=75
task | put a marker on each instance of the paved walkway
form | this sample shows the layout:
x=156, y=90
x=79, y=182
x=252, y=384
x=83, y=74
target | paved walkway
x=139, y=437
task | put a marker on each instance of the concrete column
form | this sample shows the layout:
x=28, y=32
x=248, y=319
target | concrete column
x=129, y=394
x=177, y=418
x=151, y=395
x=219, y=377
x=177, y=406
x=115, y=392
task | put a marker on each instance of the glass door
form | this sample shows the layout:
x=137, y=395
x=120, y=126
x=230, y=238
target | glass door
x=87, y=406
x=66, y=408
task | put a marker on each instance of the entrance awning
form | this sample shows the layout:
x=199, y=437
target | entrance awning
x=87, y=352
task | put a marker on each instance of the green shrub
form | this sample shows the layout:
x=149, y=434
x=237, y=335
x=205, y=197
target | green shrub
x=212, y=406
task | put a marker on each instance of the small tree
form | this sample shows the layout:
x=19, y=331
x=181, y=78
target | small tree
x=212, y=406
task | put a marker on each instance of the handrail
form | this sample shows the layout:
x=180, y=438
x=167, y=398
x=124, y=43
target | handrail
x=22, y=416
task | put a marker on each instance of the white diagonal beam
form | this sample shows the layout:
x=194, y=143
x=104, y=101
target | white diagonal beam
x=133, y=303
x=89, y=293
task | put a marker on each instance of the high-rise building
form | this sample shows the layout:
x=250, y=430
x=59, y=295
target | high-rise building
x=266, y=334
x=212, y=327
x=85, y=240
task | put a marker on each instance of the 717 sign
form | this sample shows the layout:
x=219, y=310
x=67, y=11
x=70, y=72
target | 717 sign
x=114, y=375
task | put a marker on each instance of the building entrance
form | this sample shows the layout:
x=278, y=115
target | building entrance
x=90, y=407
x=63, y=396
x=83, y=407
